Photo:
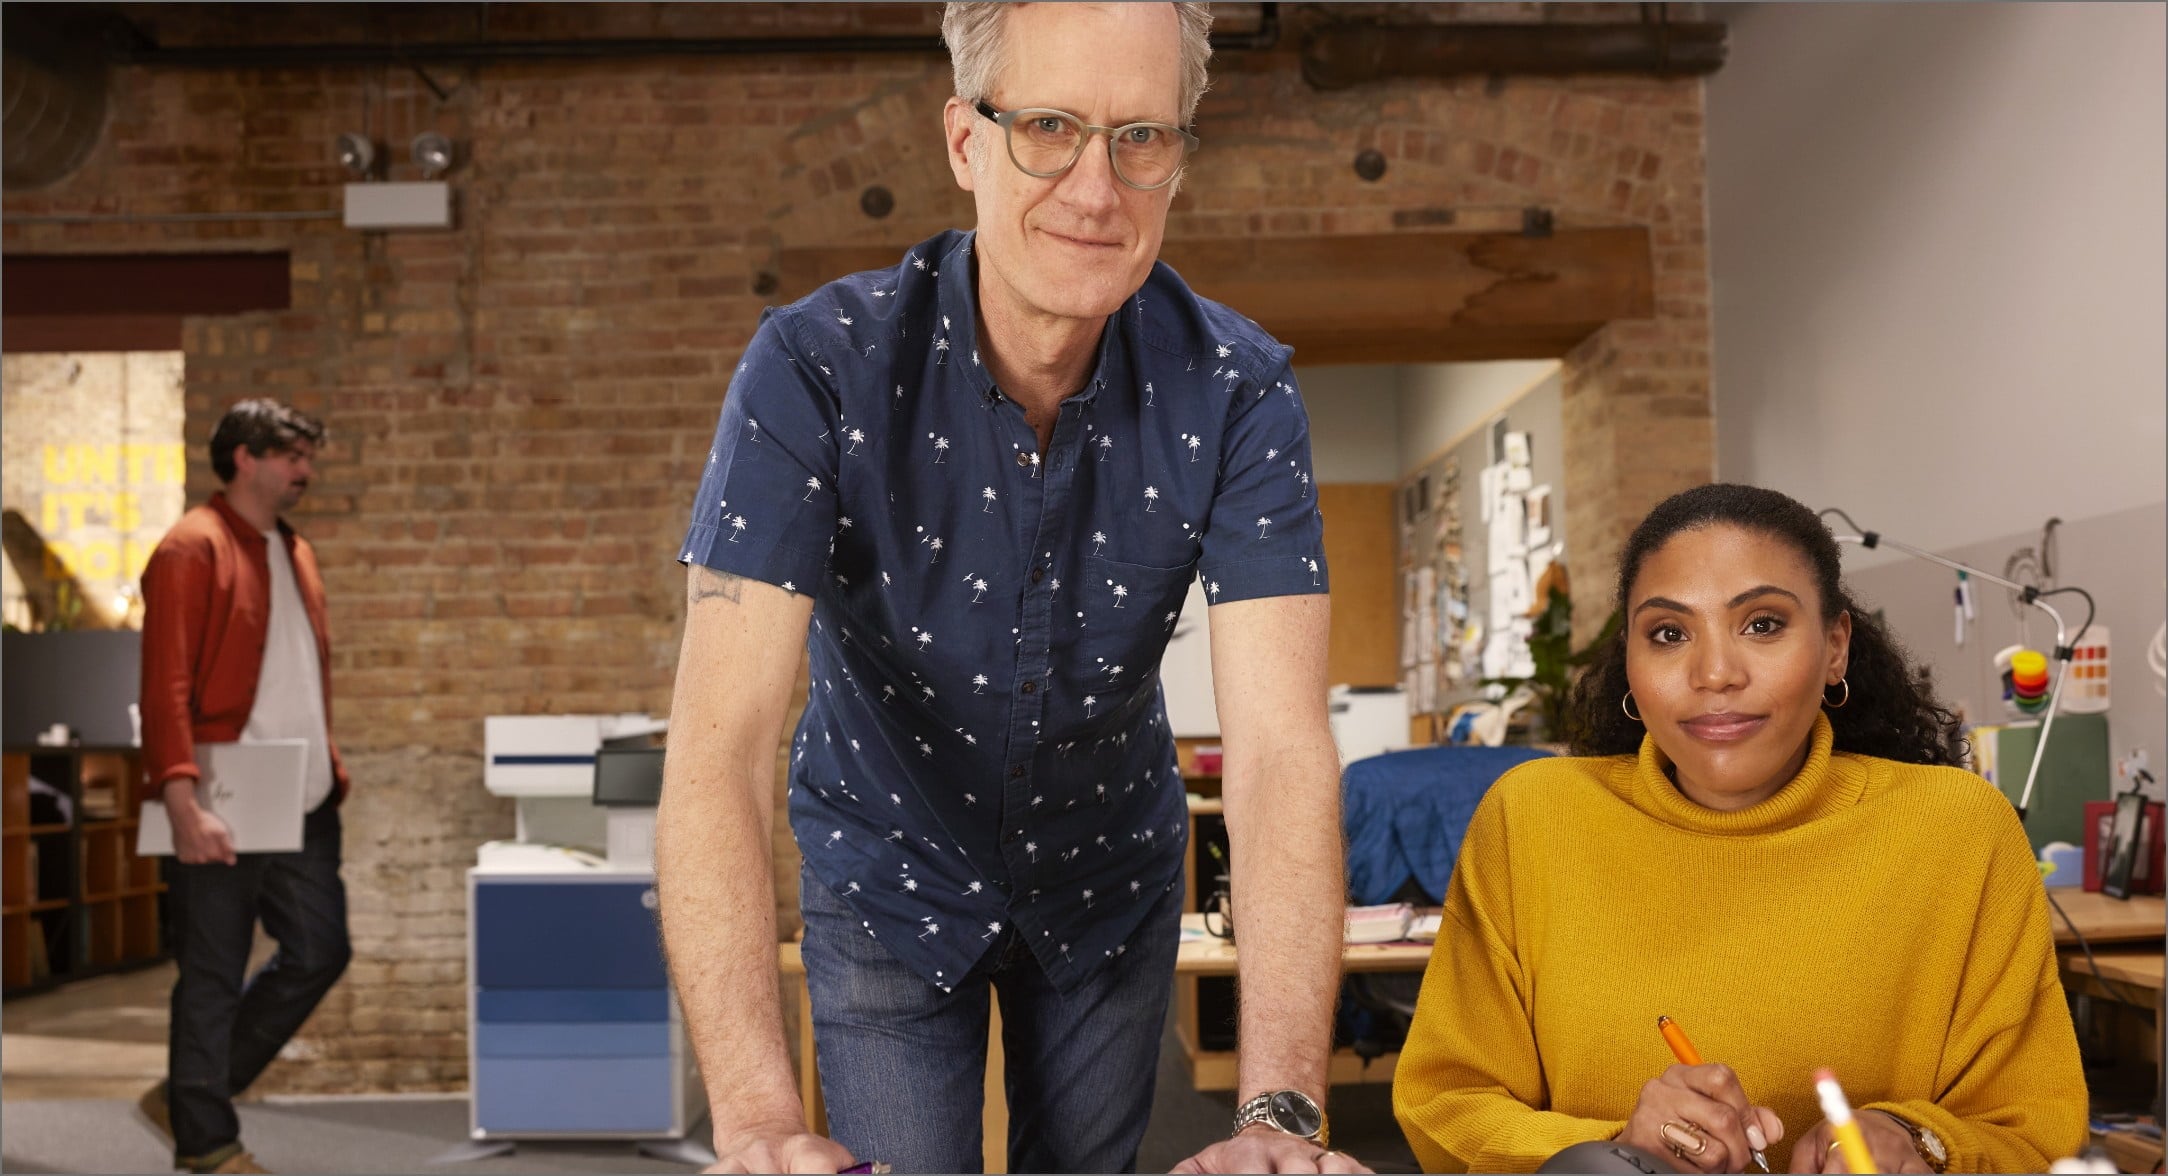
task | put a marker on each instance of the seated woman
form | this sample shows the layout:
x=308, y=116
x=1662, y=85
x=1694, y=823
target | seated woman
x=1764, y=837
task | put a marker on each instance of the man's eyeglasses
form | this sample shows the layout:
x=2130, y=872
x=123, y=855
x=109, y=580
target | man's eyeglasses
x=1046, y=143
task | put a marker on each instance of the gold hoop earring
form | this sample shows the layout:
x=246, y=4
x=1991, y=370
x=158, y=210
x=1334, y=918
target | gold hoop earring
x=1626, y=704
x=1842, y=699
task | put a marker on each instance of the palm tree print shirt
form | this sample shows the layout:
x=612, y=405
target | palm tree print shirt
x=985, y=747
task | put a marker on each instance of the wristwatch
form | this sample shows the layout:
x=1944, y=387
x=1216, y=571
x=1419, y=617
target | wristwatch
x=1924, y=1141
x=1290, y=1111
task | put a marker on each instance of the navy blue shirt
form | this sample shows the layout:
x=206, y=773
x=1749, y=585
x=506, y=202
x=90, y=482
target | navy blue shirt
x=985, y=748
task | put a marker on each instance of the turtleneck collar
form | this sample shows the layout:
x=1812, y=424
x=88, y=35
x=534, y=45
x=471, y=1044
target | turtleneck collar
x=1826, y=784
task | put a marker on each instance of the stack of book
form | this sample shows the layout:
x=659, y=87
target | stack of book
x=1380, y=924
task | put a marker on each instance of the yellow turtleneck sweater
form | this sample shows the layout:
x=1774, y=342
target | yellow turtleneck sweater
x=1883, y=919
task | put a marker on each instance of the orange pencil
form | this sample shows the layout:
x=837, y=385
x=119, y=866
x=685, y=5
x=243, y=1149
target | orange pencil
x=1684, y=1050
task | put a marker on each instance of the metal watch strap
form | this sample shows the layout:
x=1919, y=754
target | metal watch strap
x=1259, y=1110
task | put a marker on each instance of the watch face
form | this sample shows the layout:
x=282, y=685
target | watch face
x=1293, y=1112
x=1934, y=1146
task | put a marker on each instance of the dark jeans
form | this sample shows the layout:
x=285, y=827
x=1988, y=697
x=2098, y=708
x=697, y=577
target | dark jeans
x=903, y=1064
x=226, y=1031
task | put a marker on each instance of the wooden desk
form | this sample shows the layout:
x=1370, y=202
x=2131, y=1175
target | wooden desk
x=1215, y=1069
x=993, y=1120
x=2108, y=920
x=2136, y=976
x=1216, y=957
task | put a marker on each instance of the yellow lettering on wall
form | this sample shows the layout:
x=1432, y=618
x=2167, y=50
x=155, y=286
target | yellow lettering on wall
x=155, y=463
x=99, y=464
x=158, y=463
x=98, y=559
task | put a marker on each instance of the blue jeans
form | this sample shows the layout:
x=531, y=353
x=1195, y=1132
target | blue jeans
x=903, y=1064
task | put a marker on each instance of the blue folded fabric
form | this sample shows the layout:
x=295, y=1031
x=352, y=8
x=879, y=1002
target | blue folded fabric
x=1406, y=812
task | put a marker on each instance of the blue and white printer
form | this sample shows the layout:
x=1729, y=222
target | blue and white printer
x=573, y=1031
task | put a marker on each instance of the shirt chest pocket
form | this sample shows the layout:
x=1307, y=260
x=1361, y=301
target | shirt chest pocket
x=1128, y=612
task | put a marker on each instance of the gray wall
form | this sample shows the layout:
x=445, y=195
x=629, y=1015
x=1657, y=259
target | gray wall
x=1382, y=422
x=1939, y=261
x=1440, y=400
x=1354, y=432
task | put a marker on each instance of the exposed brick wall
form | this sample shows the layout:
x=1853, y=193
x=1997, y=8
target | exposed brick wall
x=520, y=407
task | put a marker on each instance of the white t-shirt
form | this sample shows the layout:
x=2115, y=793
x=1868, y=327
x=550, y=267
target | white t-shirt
x=290, y=687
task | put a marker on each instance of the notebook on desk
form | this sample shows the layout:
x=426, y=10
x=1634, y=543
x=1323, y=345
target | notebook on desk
x=256, y=788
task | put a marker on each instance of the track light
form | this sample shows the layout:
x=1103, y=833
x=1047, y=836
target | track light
x=432, y=153
x=356, y=154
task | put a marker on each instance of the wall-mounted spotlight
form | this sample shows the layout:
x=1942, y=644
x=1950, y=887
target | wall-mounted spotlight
x=433, y=154
x=356, y=154
x=411, y=204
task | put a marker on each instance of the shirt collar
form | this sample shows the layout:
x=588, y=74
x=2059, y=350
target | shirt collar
x=957, y=291
x=242, y=529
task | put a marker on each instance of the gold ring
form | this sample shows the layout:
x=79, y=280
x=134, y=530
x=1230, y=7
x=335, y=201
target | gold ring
x=1680, y=1146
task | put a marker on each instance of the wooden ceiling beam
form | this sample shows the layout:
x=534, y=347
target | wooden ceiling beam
x=1385, y=298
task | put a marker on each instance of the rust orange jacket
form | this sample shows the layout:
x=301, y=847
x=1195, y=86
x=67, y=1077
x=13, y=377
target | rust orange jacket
x=206, y=613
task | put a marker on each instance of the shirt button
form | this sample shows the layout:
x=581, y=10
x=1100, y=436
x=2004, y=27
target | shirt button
x=1017, y=772
x=1022, y=459
x=1036, y=573
x=1031, y=687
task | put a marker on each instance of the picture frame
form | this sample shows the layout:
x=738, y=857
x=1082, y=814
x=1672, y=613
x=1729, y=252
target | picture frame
x=2122, y=845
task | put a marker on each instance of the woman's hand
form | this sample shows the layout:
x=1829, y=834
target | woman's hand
x=1699, y=1114
x=1889, y=1142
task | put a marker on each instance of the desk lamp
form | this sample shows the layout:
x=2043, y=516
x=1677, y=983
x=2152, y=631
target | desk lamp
x=2065, y=642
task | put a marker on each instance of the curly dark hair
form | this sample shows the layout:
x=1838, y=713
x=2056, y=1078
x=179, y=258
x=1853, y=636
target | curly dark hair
x=1890, y=713
x=260, y=426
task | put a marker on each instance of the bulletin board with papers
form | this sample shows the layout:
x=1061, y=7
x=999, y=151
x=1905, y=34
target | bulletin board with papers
x=1480, y=523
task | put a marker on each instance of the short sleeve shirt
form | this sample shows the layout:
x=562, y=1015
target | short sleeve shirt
x=985, y=747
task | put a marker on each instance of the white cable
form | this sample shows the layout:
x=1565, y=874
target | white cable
x=2156, y=656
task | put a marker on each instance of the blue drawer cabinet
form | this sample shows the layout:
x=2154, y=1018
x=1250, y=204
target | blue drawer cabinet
x=572, y=1031
x=603, y=1096
x=552, y=934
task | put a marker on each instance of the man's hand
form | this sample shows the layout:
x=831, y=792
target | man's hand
x=779, y=1147
x=199, y=837
x=1890, y=1143
x=1261, y=1149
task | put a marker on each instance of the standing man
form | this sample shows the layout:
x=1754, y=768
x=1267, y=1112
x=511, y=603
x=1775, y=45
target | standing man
x=235, y=649
x=977, y=486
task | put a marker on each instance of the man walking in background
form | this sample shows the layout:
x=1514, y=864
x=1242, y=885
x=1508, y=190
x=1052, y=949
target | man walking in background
x=235, y=649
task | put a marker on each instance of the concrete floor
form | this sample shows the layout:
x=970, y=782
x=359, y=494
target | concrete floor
x=99, y=1038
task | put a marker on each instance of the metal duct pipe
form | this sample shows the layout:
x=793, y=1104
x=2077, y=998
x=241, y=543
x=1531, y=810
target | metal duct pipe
x=54, y=104
x=1337, y=57
x=144, y=52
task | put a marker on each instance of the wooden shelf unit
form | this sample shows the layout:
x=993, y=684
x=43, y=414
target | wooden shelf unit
x=75, y=899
